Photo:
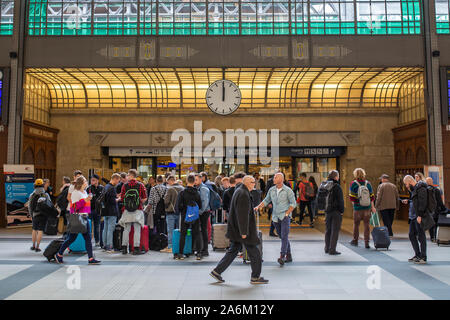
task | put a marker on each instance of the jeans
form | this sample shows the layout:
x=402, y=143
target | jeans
x=416, y=233
x=233, y=250
x=95, y=219
x=137, y=235
x=283, y=228
x=73, y=236
x=108, y=231
x=173, y=221
x=358, y=216
x=204, y=230
x=303, y=205
x=196, y=236
x=333, y=223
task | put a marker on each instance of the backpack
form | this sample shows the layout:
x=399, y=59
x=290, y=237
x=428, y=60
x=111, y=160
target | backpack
x=100, y=202
x=160, y=210
x=131, y=199
x=308, y=191
x=431, y=200
x=34, y=202
x=215, y=202
x=192, y=213
x=323, y=195
x=62, y=201
x=363, y=194
x=46, y=207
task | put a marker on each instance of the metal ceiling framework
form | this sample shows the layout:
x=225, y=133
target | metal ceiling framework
x=171, y=88
x=222, y=17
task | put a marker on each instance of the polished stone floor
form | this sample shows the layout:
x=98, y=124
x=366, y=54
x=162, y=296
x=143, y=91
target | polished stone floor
x=358, y=273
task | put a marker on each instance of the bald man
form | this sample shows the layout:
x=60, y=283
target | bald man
x=241, y=229
x=283, y=200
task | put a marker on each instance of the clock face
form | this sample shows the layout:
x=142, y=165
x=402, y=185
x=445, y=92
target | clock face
x=223, y=97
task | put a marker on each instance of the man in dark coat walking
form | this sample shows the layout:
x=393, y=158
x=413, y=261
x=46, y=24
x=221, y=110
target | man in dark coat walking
x=242, y=230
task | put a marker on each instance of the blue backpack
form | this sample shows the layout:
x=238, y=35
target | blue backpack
x=192, y=213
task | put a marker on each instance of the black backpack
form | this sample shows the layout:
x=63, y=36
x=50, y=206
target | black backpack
x=131, y=199
x=157, y=241
x=160, y=210
x=100, y=202
x=323, y=195
x=431, y=200
x=62, y=201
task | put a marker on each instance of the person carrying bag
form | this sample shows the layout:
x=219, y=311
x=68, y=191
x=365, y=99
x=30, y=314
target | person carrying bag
x=80, y=207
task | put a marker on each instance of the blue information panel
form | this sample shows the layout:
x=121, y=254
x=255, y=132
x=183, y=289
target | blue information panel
x=19, y=185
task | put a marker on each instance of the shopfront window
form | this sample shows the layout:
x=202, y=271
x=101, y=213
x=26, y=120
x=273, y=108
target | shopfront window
x=304, y=165
x=145, y=167
x=165, y=164
x=325, y=165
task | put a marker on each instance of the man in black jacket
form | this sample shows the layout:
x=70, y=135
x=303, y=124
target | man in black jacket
x=334, y=211
x=242, y=230
x=96, y=190
x=418, y=209
x=110, y=213
x=189, y=197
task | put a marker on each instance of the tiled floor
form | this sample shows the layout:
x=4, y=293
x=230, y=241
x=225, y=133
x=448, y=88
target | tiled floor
x=312, y=275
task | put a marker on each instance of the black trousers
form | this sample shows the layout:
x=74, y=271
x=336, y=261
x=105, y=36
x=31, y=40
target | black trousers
x=272, y=225
x=416, y=236
x=303, y=205
x=388, y=219
x=196, y=236
x=204, y=230
x=433, y=231
x=333, y=223
x=233, y=250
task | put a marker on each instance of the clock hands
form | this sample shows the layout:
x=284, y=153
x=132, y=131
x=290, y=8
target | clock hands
x=223, y=90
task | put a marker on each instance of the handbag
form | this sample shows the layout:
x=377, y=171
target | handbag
x=76, y=223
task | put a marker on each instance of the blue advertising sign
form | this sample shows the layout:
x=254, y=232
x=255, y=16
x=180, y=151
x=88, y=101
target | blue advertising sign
x=19, y=185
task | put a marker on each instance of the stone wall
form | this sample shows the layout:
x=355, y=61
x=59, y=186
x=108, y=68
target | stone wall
x=372, y=149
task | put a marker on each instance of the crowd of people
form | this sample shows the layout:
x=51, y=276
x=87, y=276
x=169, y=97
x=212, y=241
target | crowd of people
x=165, y=204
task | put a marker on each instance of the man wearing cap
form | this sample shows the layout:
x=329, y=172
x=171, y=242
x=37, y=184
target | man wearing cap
x=387, y=201
x=39, y=218
x=96, y=190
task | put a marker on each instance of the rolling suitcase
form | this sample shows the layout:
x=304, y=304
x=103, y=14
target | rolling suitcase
x=79, y=245
x=144, y=242
x=176, y=242
x=443, y=229
x=52, y=249
x=380, y=236
x=245, y=257
x=117, y=237
x=219, y=240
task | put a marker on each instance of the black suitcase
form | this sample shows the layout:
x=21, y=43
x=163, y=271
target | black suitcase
x=117, y=237
x=380, y=236
x=52, y=249
x=51, y=226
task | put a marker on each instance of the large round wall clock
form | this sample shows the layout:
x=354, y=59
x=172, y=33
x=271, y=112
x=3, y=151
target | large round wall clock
x=223, y=97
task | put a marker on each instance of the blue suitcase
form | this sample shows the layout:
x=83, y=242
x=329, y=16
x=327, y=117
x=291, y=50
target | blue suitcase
x=176, y=242
x=380, y=236
x=79, y=245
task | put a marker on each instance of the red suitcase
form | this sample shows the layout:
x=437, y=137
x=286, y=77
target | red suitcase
x=144, y=238
x=209, y=229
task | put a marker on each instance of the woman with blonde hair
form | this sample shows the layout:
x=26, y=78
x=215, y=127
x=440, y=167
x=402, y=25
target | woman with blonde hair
x=80, y=205
x=362, y=196
x=419, y=177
